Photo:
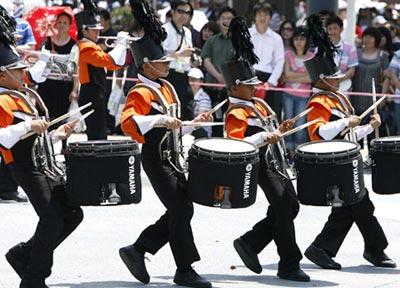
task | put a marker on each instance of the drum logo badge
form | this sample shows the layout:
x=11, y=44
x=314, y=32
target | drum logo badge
x=132, y=183
x=247, y=177
x=356, y=181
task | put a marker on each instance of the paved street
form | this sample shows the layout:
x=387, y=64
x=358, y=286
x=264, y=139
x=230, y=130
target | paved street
x=89, y=258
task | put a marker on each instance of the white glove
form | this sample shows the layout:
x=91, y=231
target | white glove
x=122, y=38
x=37, y=71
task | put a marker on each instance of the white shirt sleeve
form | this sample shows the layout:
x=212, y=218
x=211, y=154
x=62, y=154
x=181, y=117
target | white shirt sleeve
x=331, y=129
x=146, y=123
x=11, y=134
x=278, y=61
x=362, y=131
x=256, y=139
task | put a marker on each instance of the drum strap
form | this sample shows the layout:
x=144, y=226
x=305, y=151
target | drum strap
x=278, y=161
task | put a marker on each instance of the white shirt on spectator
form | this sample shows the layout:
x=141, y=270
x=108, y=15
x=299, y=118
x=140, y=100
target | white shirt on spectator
x=202, y=103
x=172, y=42
x=269, y=48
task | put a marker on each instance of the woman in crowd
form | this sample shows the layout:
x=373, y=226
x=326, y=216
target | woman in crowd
x=210, y=29
x=296, y=77
x=286, y=31
x=57, y=91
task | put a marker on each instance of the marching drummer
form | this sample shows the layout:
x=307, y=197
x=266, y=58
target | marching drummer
x=145, y=119
x=336, y=116
x=32, y=260
x=247, y=119
x=92, y=61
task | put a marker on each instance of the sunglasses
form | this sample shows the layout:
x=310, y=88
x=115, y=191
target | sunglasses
x=181, y=11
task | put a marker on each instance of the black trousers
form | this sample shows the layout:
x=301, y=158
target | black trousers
x=180, y=81
x=57, y=220
x=95, y=123
x=7, y=182
x=340, y=221
x=174, y=226
x=278, y=225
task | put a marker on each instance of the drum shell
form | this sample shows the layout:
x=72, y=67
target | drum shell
x=385, y=158
x=92, y=164
x=315, y=177
x=206, y=174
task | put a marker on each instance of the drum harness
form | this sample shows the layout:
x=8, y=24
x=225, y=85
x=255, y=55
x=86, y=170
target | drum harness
x=173, y=138
x=275, y=155
x=344, y=102
x=42, y=152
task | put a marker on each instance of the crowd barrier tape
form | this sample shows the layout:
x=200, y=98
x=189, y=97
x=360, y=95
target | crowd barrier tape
x=263, y=86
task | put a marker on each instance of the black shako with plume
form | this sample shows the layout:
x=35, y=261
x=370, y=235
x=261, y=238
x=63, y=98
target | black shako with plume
x=149, y=47
x=240, y=70
x=9, y=57
x=323, y=64
x=89, y=18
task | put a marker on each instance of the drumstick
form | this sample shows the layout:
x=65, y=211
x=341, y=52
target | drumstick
x=294, y=130
x=201, y=124
x=365, y=113
x=83, y=117
x=372, y=107
x=217, y=107
x=305, y=112
x=59, y=119
x=375, y=109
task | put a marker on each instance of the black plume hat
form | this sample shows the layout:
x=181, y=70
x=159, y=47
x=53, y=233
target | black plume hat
x=89, y=18
x=322, y=65
x=9, y=57
x=149, y=47
x=240, y=70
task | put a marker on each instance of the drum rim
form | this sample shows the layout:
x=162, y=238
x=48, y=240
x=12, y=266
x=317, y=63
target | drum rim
x=377, y=144
x=94, y=147
x=357, y=148
x=197, y=148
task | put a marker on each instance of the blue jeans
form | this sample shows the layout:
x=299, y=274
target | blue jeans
x=293, y=105
x=397, y=117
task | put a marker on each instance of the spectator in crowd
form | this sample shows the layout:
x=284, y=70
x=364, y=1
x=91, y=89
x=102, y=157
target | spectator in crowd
x=394, y=74
x=286, y=31
x=268, y=46
x=105, y=20
x=296, y=77
x=373, y=64
x=210, y=29
x=216, y=51
x=57, y=91
x=386, y=41
x=275, y=18
x=346, y=58
x=179, y=46
x=202, y=102
x=325, y=15
x=193, y=31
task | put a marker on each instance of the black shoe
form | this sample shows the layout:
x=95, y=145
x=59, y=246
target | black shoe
x=13, y=196
x=134, y=261
x=191, y=279
x=34, y=283
x=381, y=260
x=296, y=275
x=247, y=254
x=18, y=257
x=321, y=258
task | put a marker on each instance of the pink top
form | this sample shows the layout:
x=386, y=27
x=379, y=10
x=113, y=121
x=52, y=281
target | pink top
x=296, y=64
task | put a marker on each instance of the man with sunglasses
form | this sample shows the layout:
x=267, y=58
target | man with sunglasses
x=179, y=46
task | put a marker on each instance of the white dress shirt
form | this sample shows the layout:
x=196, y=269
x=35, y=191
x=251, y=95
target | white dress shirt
x=171, y=44
x=269, y=48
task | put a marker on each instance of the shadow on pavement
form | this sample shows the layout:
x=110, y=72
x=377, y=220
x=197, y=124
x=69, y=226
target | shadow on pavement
x=111, y=284
x=369, y=269
x=264, y=279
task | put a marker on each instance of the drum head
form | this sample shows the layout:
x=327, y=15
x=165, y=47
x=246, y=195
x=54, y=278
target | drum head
x=224, y=145
x=387, y=140
x=325, y=147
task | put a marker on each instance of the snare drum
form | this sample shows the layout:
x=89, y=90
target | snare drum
x=329, y=173
x=223, y=173
x=385, y=154
x=93, y=165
